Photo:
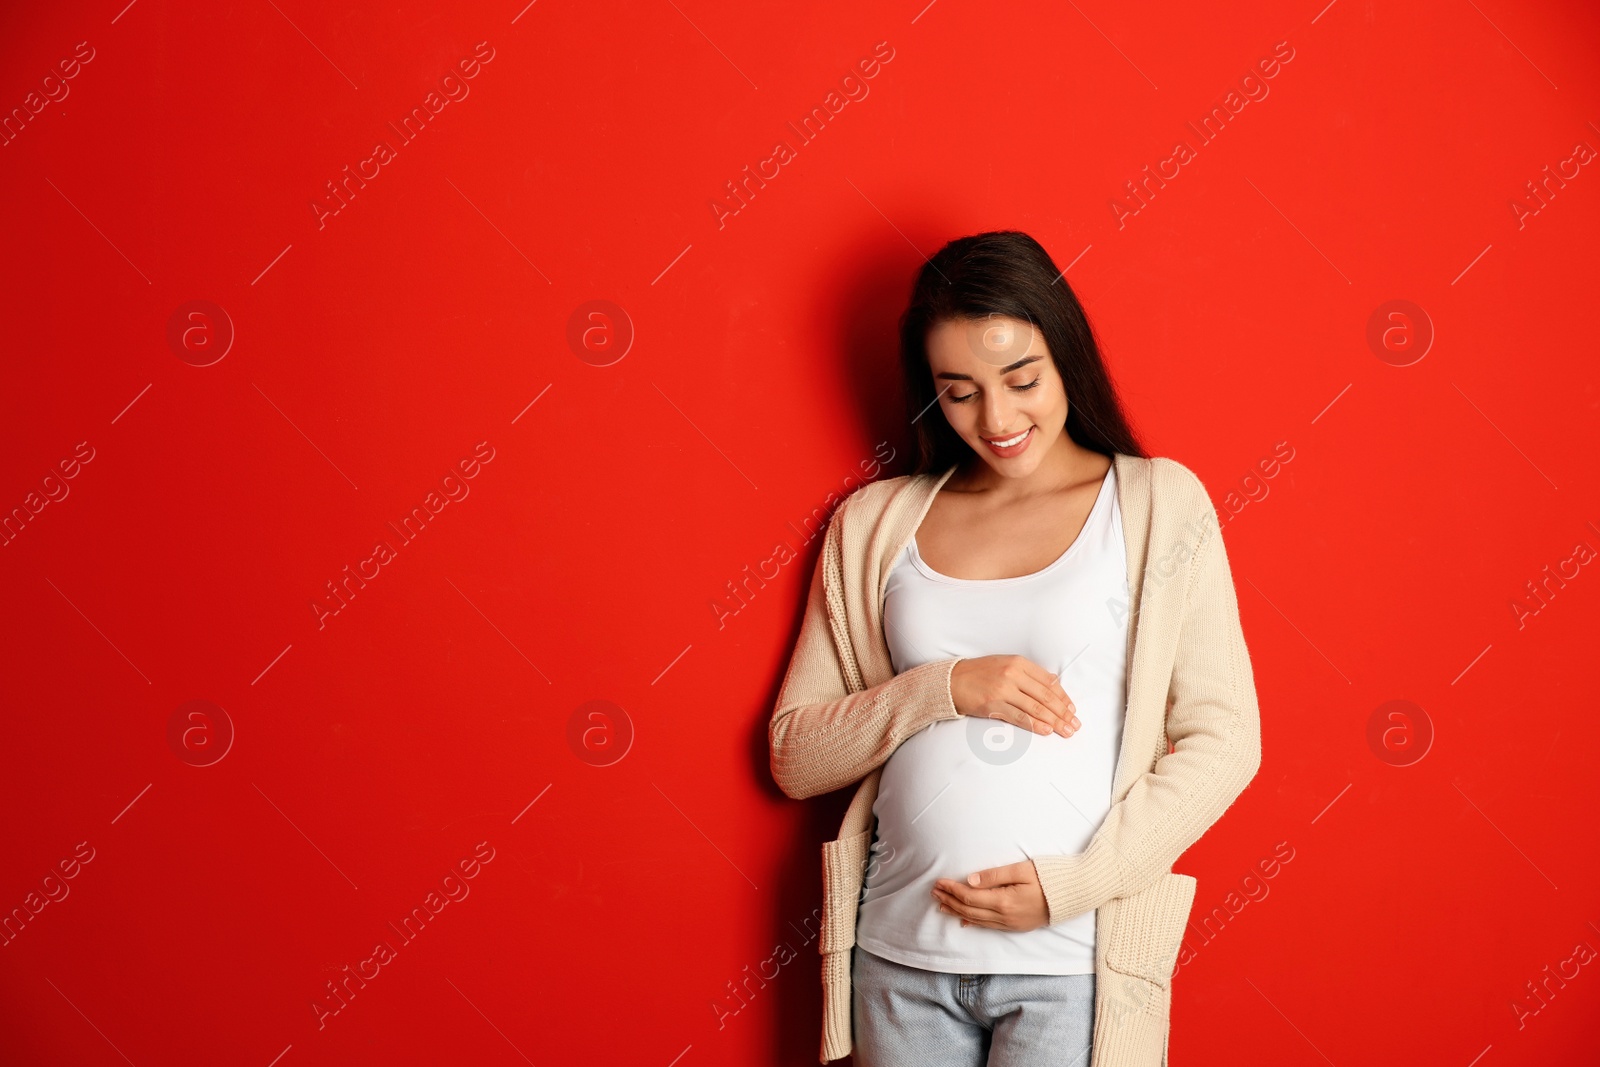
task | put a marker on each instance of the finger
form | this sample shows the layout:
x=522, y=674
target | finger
x=1065, y=706
x=1060, y=699
x=972, y=917
x=1042, y=703
x=1018, y=873
x=1001, y=711
x=974, y=913
x=969, y=897
x=994, y=900
x=991, y=877
x=1053, y=680
x=1034, y=716
x=1033, y=695
x=1047, y=682
x=1062, y=696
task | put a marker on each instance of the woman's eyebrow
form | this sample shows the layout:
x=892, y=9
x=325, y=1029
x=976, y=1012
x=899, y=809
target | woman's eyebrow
x=1023, y=362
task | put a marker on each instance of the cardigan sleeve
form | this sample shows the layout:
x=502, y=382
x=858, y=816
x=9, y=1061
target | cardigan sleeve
x=824, y=737
x=1214, y=725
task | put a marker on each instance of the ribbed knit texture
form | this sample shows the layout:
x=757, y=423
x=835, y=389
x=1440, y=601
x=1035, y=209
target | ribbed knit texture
x=842, y=712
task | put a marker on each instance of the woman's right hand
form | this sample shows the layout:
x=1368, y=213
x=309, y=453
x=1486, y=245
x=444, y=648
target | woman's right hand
x=1013, y=689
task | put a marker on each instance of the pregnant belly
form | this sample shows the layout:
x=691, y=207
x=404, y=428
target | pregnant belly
x=966, y=794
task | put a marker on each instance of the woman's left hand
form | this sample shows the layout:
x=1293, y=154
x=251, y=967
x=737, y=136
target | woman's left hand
x=1001, y=898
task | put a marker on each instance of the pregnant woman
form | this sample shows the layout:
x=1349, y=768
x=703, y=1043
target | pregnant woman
x=1028, y=654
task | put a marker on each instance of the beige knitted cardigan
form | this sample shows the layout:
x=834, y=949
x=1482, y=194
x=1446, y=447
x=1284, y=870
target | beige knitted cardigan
x=1191, y=739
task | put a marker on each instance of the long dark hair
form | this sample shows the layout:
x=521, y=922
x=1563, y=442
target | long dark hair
x=1005, y=272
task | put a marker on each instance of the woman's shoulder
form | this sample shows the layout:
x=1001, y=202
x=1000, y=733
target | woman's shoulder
x=873, y=495
x=867, y=502
x=1171, y=480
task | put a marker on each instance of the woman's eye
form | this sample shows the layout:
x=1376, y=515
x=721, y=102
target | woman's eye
x=1020, y=388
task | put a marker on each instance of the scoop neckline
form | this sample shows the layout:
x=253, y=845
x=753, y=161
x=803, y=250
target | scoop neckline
x=1100, y=499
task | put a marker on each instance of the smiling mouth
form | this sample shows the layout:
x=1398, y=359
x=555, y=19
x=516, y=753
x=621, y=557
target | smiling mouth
x=1013, y=446
x=1008, y=442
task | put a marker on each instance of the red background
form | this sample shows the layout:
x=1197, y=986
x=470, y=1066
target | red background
x=372, y=353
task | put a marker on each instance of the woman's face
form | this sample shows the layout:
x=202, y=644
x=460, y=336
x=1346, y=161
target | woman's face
x=999, y=389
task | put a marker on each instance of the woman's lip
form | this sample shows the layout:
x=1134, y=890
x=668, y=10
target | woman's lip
x=1015, y=450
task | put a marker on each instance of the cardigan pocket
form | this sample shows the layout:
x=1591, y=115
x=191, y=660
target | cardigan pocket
x=1133, y=994
x=844, y=862
x=1147, y=929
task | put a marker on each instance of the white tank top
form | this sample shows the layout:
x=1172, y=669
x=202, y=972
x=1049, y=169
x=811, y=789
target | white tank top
x=969, y=793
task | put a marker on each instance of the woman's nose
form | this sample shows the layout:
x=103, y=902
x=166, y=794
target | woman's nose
x=997, y=413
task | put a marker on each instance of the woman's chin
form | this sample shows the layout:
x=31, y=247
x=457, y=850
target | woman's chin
x=1014, y=466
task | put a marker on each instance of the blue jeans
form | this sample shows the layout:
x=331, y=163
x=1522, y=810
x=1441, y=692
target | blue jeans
x=908, y=1017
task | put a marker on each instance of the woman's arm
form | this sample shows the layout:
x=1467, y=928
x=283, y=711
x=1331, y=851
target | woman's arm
x=823, y=737
x=1214, y=724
